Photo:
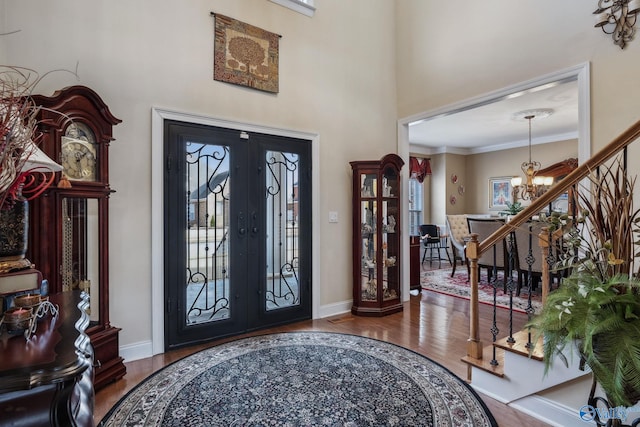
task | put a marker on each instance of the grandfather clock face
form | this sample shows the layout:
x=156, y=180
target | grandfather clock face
x=78, y=153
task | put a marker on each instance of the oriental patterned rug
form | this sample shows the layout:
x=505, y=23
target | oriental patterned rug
x=441, y=281
x=302, y=379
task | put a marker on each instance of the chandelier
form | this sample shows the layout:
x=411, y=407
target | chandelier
x=534, y=185
x=618, y=18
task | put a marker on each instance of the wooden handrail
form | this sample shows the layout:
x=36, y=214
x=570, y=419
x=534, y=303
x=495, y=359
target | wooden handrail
x=582, y=171
x=475, y=249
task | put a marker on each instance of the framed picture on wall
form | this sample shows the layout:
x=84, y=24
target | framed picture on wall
x=499, y=192
x=561, y=204
x=245, y=55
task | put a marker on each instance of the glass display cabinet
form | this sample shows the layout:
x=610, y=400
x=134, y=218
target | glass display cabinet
x=69, y=223
x=376, y=236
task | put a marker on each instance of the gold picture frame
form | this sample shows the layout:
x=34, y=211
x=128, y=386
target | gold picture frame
x=245, y=55
x=500, y=192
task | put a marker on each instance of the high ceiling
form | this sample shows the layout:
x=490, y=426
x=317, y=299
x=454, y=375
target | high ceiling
x=493, y=126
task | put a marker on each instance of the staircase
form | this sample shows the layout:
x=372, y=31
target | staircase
x=505, y=369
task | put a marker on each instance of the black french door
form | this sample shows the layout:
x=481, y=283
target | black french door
x=237, y=211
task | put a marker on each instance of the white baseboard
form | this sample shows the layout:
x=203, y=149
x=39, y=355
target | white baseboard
x=549, y=411
x=136, y=351
x=144, y=349
x=335, y=309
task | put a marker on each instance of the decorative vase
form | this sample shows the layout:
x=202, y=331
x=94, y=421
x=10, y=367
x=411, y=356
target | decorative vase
x=14, y=227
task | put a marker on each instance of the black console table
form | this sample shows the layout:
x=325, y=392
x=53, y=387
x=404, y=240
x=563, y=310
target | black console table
x=47, y=380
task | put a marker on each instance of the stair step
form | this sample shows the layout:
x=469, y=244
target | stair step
x=485, y=362
x=519, y=346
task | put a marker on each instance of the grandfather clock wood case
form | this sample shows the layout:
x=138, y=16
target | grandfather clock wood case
x=69, y=224
x=376, y=236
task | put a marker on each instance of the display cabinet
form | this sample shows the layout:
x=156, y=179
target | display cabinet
x=69, y=223
x=376, y=236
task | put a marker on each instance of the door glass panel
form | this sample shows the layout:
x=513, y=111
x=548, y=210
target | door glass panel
x=369, y=185
x=207, y=226
x=283, y=237
x=369, y=248
x=390, y=235
x=368, y=188
x=80, y=249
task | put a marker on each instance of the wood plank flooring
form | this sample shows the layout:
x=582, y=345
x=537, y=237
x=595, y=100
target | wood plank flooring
x=431, y=324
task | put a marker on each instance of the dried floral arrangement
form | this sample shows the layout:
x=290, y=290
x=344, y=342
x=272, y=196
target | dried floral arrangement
x=19, y=137
x=18, y=129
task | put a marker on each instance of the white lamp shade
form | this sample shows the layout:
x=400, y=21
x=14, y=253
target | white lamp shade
x=40, y=162
x=538, y=180
x=602, y=19
x=516, y=181
x=548, y=181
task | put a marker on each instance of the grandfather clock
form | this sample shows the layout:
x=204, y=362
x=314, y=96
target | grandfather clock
x=69, y=223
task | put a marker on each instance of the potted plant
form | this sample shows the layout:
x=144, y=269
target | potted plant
x=596, y=308
x=512, y=208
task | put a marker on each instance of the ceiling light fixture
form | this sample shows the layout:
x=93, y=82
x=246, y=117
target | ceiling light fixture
x=618, y=18
x=534, y=185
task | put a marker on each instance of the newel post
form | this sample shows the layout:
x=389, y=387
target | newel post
x=474, y=345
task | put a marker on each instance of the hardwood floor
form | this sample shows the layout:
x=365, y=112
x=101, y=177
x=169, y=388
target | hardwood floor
x=431, y=324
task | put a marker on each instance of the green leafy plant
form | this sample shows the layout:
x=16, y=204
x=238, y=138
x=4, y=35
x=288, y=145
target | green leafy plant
x=603, y=321
x=512, y=208
x=596, y=308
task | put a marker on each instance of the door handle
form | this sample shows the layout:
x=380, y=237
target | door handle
x=241, y=224
x=254, y=221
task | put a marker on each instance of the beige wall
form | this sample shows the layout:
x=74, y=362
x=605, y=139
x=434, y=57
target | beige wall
x=447, y=54
x=337, y=74
x=439, y=188
x=456, y=170
x=346, y=74
x=473, y=172
x=507, y=163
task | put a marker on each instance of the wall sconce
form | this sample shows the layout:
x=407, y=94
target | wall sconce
x=618, y=18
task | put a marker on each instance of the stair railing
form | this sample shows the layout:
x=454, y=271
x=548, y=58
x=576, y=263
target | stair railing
x=475, y=248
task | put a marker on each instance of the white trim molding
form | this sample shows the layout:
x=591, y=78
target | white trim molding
x=305, y=7
x=580, y=72
x=158, y=116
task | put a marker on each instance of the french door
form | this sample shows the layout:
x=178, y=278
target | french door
x=237, y=231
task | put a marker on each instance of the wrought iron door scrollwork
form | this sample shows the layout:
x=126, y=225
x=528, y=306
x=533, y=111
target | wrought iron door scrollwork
x=207, y=228
x=282, y=230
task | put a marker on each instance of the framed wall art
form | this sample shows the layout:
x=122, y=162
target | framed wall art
x=561, y=204
x=245, y=55
x=499, y=192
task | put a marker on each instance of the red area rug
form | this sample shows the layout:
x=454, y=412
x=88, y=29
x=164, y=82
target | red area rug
x=441, y=281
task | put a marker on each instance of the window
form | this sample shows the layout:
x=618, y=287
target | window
x=305, y=7
x=416, y=199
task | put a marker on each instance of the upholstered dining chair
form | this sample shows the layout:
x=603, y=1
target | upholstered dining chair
x=485, y=227
x=458, y=231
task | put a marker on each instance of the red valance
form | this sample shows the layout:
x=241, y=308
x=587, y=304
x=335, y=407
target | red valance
x=419, y=168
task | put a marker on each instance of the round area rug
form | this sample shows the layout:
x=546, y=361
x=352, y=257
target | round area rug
x=302, y=379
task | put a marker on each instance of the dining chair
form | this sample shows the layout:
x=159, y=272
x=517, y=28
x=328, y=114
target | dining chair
x=485, y=227
x=458, y=231
x=430, y=235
